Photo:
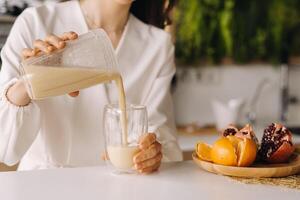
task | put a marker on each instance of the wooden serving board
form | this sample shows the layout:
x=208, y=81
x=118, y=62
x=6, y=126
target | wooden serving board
x=255, y=171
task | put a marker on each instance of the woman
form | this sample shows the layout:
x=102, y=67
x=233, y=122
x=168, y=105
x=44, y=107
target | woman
x=37, y=133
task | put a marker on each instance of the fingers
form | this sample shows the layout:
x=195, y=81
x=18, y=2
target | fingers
x=104, y=156
x=147, y=154
x=150, y=169
x=149, y=159
x=55, y=41
x=149, y=163
x=43, y=46
x=147, y=140
x=69, y=36
x=74, y=94
x=51, y=43
x=27, y=53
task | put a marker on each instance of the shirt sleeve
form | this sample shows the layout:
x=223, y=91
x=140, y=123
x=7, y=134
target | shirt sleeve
x=19, y=126
x=160, y=108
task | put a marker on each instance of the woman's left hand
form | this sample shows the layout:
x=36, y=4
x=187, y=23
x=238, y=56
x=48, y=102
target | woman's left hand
x=149, y=158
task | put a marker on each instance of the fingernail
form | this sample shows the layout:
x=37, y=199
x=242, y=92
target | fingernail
x=73, y=36
x=134, y=159
x=50, y=48
x=61, y=44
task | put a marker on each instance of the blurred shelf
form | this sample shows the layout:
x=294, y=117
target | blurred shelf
x=193, y=129
x=7, y=19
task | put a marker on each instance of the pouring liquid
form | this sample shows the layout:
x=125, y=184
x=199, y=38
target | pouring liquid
x=46, y=81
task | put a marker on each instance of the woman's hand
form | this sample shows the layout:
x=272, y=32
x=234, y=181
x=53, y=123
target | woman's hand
x=149, y=158
x=17, y=93
x=49, y=45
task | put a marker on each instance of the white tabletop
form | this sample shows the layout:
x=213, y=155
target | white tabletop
x=174, y=181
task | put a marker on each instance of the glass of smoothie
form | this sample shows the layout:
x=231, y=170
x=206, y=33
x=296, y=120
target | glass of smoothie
x=122, y=135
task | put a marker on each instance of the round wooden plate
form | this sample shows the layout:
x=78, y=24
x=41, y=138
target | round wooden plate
x=255, y=171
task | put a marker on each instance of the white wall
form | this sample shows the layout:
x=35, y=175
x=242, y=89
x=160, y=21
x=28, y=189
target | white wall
x=196, y=87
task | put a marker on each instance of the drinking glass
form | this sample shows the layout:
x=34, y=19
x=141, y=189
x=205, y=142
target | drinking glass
x=121, y=148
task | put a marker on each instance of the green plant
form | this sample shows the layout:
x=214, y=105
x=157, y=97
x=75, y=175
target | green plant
x=189, y=19
x=226, y=17
x=249, y=30
x=199, y=31
x=284, y=26
x=210, y=30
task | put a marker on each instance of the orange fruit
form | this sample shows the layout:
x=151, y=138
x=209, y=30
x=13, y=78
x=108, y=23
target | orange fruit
x=234, y=151
x=224, y=153
x=203, y=151
x=230, y=151
x=234, y=140
x=247, y=150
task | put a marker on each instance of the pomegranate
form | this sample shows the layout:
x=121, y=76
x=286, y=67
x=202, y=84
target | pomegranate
x=246, y=132
x=276, y=145
x=230, y=130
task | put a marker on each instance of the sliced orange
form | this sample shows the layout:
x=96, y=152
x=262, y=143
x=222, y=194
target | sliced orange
x=203, y=151
x=230, y=151
x=224, y=152
x=234, y=140
x=246, y=153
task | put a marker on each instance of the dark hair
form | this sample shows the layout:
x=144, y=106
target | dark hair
x=153, y=12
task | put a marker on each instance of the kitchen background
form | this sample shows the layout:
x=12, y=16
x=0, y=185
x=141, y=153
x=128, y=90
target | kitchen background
x=238, y=49
x=226, y=49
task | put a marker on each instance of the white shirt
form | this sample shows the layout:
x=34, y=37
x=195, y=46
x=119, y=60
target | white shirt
x=64, y=131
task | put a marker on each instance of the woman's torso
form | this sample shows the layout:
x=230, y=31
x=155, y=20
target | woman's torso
x=71, y=128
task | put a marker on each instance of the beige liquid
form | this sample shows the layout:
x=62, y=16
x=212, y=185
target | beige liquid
x=48, y=81
x=122, y=156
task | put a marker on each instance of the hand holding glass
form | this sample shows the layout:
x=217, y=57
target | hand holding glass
x=121, y=147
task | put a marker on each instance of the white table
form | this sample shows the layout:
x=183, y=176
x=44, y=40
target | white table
x=174, y=181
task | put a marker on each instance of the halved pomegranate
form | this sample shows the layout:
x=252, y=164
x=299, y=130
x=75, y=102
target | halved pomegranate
x=246, y=132
x=230, y=130
x=276, y=145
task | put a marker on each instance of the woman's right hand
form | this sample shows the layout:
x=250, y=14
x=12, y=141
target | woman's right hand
x=17, y=93
x=49, y=45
